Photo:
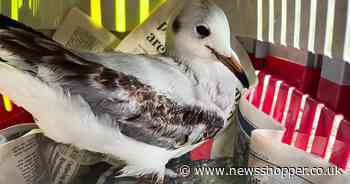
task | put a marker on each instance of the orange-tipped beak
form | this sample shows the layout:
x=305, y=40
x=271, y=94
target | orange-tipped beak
x=233, y=66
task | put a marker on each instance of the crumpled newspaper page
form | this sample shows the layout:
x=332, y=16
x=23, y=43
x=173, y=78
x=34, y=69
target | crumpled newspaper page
x=78, y=32
x=149, y=37
x=28, y=157
x=20, y=160
x=247, y=119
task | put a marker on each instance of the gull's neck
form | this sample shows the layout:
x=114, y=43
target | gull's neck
x=203, y=72
x=213, y=82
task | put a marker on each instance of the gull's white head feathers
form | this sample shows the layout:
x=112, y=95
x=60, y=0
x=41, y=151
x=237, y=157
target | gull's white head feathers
x=199, y=23
x=199, y=32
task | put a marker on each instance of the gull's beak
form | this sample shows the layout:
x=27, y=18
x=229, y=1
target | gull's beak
x=233, y=66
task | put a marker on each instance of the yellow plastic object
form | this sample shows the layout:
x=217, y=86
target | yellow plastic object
x=34, y=6
x=120, y=15
x=15, y=6
x=144, y=10
x=7, y=103
x=95, y=12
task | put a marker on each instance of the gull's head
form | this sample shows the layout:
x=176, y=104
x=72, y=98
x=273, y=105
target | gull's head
x=200, y=32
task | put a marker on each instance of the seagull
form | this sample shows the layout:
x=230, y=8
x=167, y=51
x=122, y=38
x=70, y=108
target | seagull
x=142, y=109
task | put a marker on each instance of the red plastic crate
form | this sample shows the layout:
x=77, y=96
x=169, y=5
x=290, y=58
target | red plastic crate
x=16, y=116
x=341, y=149
x=306, y=124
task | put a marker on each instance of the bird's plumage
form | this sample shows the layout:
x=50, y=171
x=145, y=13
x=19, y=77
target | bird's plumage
x=85, y=103
x=121, y=104
x=132, y=104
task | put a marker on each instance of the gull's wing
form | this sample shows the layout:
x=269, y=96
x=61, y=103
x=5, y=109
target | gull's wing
x=134, y=107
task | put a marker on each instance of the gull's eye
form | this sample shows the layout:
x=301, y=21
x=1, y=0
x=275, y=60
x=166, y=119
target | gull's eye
x=203, y=31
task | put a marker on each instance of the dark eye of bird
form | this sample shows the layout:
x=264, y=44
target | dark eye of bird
x=203, y=31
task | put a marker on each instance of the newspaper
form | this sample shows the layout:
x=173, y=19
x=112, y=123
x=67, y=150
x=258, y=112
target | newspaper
x=79, y=33
x=28, y=157
x=149, y=37
x=20, y=161
x=284, y=161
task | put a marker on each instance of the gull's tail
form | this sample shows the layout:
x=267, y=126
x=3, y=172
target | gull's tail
x=8, y=23
x=24, y=48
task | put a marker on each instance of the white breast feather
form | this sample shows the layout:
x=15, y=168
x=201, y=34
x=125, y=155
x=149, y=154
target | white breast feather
x=69, y=119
